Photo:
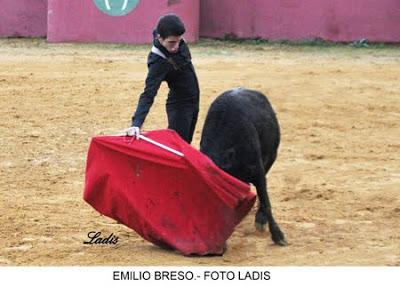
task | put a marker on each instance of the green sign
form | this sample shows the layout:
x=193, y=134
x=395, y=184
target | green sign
x=116, y=7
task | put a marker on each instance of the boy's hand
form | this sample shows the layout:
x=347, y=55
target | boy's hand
x=133, y=131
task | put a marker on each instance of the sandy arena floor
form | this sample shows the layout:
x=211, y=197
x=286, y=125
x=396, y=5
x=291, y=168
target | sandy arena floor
x=334, y=187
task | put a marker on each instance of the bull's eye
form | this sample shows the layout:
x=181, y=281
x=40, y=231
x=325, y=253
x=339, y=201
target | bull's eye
x=116, y=7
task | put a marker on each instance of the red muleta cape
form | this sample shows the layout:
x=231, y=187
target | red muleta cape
x=185, y=203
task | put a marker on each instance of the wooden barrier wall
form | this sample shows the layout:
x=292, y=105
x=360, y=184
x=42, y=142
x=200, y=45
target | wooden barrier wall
x=23, y=18
x=335, y=20
x=116, y=21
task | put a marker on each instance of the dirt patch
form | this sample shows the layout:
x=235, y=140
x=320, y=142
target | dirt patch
x=334, y=187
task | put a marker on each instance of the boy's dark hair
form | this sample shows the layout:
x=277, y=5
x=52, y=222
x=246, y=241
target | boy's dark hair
x=170, y=25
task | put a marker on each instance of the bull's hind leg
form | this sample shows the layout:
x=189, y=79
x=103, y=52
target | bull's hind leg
x=264, y=212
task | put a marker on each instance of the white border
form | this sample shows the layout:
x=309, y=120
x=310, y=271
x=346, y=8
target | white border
x=278, y=276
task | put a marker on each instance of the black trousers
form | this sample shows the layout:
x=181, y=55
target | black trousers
x=183, y=120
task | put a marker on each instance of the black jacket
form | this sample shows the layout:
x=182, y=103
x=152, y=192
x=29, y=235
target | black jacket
x=178, y=71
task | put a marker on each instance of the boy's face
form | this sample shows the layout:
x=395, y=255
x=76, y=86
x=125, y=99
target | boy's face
x=170, y=43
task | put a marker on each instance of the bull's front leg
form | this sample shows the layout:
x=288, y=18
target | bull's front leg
x=264, y=212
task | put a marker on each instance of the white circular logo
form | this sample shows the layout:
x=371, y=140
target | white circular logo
x=116, y=7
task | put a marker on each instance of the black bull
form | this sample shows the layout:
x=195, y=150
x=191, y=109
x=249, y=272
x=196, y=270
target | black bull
x=241, y=135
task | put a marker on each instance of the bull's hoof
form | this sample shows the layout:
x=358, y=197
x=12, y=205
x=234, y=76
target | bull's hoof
x=260, y=227
x=261, y=220
x=278, y=237
x=281, y=242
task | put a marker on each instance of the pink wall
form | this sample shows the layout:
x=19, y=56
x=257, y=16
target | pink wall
x=23, y=18
x=82, y=21
x=335, y=20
